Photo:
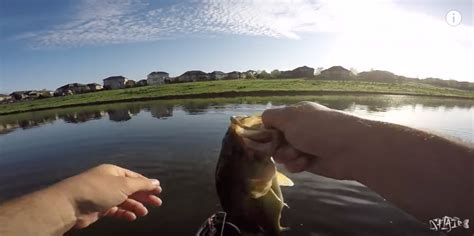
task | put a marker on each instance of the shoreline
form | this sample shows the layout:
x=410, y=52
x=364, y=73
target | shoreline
x=235, y=94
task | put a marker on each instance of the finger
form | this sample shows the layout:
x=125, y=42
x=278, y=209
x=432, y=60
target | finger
x=134, y=206
x=111, y=211
x=129, y=173
x=274, y=118
x=123, y=214
x=147, y=198
x=155, y=191
x=133, y=185
x=285, y=153
x=297, y=165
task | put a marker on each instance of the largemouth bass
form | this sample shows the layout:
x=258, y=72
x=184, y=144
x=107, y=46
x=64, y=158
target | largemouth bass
x=247, y=181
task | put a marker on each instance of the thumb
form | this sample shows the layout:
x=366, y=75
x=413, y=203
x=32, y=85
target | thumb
x=274, y=118
x=136, y=184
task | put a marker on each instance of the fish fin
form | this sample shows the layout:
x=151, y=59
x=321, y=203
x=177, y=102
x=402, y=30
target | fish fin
x=279, y=199
x=283, y=180
x=256, y=194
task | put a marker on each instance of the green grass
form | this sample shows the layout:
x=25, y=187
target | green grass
x=245, y=87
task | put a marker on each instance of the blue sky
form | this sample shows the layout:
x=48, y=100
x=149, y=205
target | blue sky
x=48, y=43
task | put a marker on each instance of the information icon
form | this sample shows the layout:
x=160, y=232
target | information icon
x=453, y=18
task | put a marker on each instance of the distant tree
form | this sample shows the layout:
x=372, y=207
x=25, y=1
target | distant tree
x=318, y=70
x=263, y=75
x=275, y=73
x=250, y=76
x=353, y=70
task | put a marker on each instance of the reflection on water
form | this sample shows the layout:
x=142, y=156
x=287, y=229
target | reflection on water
x=178, y=142
x=390, y=108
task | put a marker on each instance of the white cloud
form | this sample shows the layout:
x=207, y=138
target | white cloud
x=370, y=33
x=115, y=21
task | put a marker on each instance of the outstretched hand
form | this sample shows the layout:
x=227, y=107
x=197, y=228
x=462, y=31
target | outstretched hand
x=109, y=190
x=78, y=201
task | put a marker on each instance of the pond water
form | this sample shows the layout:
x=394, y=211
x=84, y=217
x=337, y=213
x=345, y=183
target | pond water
x=178, y=142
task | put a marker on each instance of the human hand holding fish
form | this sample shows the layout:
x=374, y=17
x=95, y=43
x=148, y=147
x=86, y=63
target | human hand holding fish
x=401, y=164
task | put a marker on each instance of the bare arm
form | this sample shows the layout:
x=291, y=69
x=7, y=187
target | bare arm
x=79, y=201
x=424, y=174
x=46, y=212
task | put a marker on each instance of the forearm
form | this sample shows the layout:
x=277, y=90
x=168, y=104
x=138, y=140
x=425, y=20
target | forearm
x=424, y=174
x=45, y=212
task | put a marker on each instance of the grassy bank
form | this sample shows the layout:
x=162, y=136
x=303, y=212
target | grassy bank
x=234, y=88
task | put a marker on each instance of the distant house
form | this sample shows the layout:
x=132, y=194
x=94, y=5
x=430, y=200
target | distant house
x=157, y=78
x=142, y=82
x=74, y=88
x=5, y=98
x=336, y=73
x=217, y=75
x=33, y=94
x=94, y=87
x=130, y=83
x=44, y=93
x=19, y=95
x=303, y=72
x=379, y=76
x=29, y=94
x=193, y=76
x=300, y=72
x=233, y=75
x=115, y=82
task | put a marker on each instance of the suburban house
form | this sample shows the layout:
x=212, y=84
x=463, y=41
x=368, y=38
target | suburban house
x=130, y=83
x=378, y=75
x=45, y=93
x=336, y=73
x=300, y=72
x=19, y=95
x=303, y=72
x=157, y=77
x=234, y=75
x=142, y=82
x=69, y=89
x=217, y=75
x=193, y=76
x=30, y=94
x=115, y=82
x=5, y=98
x=94, y=87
